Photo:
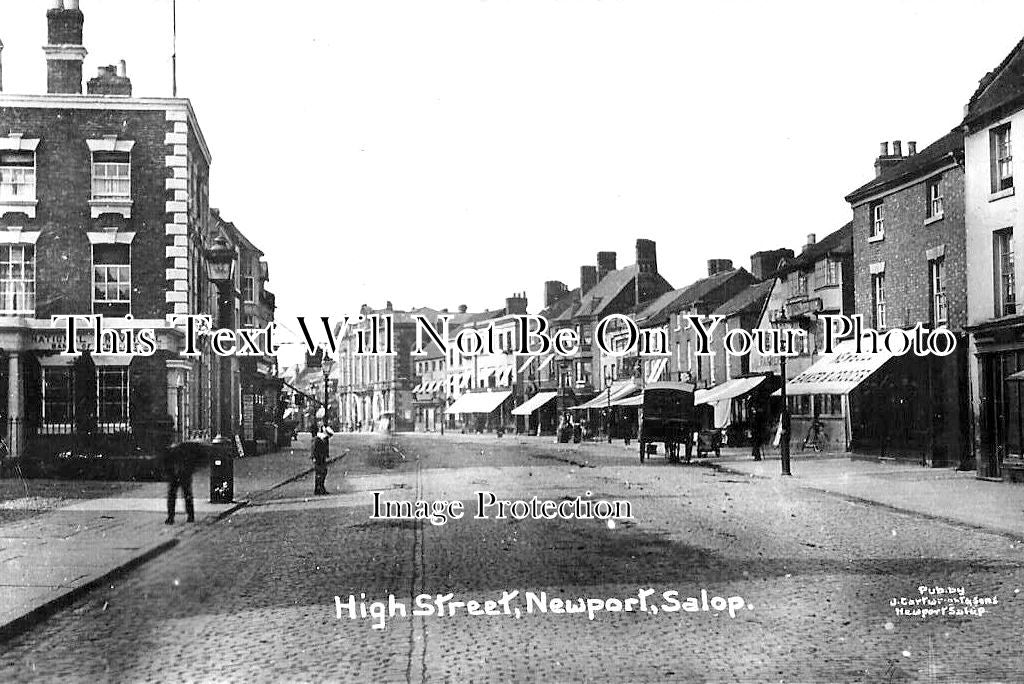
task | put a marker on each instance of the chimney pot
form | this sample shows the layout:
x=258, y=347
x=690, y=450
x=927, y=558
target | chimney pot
x=883, y=149
x=811, y=239
x=58, y=4
x=897, y=148
x=911, y=148
x=122, y=69
x=71, y=4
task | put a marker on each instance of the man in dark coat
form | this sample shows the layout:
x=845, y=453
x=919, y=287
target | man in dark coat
x=758, y=415
x=180, y=462
x=319, y=453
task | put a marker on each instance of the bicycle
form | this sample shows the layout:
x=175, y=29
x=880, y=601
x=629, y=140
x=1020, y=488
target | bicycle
x=5, y=456
x=815, y=438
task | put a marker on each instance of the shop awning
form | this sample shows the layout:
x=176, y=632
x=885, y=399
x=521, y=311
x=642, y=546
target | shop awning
x=505, y=375
x=533, y=403
x=656, y=369
x=635, y=400
x=838, y=373
x=730, y=389
x=478, y=402
x=619, y=390
x=485, y=373
x=418, y=388
x=544, y=362
x=465, y=378
x=720, y=397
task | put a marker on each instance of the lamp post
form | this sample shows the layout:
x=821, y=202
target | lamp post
x=783, y=323
x=609, y=378
x=326, y=365
x=220, y=262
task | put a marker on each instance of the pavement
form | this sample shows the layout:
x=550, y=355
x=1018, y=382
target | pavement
x=952, y=496
x=50, y=559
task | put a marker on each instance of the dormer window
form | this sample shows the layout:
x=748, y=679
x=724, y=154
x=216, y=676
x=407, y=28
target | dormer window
x=111, y=176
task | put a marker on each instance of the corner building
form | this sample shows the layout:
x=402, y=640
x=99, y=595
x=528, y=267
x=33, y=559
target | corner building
x=104, y=209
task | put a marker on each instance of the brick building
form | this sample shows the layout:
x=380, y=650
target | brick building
x=104, y=210
x=994, y=118
x=817, y=281
x=375, y=391
x=910, y=267
x=604, y=290
x=258, y=387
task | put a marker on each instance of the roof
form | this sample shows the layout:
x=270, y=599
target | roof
x=999, y=90
x=838, y=243
x=948, y=148
x=660, y=310
x=750, y=299
x=564, y=301
x=599, y=297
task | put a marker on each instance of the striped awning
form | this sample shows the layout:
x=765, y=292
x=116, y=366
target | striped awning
x=533, y=403
x=478, y=402
x=619, y=390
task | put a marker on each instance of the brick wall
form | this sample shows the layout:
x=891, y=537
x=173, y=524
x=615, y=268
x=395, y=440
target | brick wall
x=904, y=251
x=63, y=190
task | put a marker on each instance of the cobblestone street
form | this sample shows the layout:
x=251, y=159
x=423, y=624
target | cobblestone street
x=253, y=596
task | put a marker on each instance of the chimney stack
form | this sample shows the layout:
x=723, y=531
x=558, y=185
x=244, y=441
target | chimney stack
x=885, y=160
x=516, y=304
x=647, y=256
x=111, y=80
x=588, y=278
x=811, y=239
x=605, y=264
x=718, y=265
x=911, y=148
x=553, y=291
x=766, y=263
x=64, y=50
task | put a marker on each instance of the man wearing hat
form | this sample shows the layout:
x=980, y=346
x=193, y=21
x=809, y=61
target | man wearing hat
x=319, y=453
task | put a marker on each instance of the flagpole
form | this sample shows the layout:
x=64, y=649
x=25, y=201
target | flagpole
x=174, y=48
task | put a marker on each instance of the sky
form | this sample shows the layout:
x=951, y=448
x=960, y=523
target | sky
x=458, y=151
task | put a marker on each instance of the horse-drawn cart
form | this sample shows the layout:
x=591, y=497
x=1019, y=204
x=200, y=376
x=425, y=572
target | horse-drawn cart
x=667, y=416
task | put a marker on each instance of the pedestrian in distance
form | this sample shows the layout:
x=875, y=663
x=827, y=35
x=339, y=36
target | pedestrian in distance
x=180, y=461
x=320, y=451
x=757, y=421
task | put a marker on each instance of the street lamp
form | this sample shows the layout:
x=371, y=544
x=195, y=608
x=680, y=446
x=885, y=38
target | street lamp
x=782, y=322
x=326, y=365
x=220, y=262
x=609, y=378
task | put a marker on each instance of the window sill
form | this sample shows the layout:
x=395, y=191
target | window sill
x=99, y=207
x=932, y=219
x=1008, y=192
x=876, y=238
x=27, y=207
